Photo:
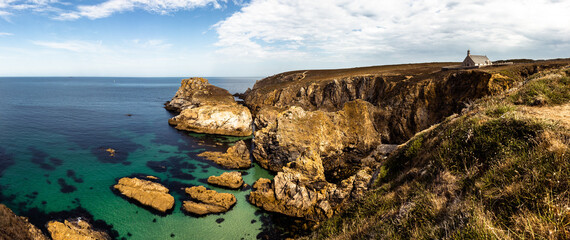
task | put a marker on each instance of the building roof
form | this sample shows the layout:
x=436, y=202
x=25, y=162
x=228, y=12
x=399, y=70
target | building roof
x=478, y=59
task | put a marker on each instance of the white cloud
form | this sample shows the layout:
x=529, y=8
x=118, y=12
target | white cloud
x=3, y=34
x=345, y=29
x=110, y=7
x=74, y=46
x=9, y=7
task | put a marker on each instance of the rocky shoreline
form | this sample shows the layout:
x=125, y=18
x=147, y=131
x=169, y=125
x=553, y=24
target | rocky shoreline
x=325, y=132
x=325, y=135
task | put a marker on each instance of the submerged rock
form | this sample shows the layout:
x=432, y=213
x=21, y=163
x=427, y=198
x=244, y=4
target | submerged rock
x=228, y=179
x=205, y=108
x=147, y=193
x=16, y=227
x=236, y=157
x=77, y=230
x=206, y=201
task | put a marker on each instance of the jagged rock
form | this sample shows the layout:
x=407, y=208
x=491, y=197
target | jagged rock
x=78, y=230
x=337, y=137
x=16, y=227
x=228, y=179
x=147, y=193
x=195, y=92
x=301, y=190
x=206, y=201
x=234, y=120
x=265, y=116
x=205, y=108
x=236, y=157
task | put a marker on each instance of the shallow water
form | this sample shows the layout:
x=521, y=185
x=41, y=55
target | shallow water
x=53, y=136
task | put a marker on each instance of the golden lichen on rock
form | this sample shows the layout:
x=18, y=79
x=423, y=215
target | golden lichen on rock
x=16, y=227
x=205, y=108
x=204, y=201
x=236, y=157
x=77, y=230
x=147, y=193
x=227, y=179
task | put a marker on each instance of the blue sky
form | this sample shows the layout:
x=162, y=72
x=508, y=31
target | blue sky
x=265, y=37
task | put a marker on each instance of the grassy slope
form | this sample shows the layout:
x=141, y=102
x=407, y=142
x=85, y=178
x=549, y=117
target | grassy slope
x=499, y=170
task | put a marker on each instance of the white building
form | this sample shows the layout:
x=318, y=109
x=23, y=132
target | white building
x=476, y=60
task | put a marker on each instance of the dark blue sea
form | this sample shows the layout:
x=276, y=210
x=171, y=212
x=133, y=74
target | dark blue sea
x=53, y=164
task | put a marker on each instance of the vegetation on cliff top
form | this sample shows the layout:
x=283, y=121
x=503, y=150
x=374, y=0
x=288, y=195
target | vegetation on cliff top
x=493, y=172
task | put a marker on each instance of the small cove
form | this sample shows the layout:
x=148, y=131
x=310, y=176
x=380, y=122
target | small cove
x=54, y=132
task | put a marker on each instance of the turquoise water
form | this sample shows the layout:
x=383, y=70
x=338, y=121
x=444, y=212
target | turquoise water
x=53, y=133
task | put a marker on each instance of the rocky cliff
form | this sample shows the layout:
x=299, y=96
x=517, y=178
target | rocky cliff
x=340, y=138
x=497, y=170
x=16, y=227
x=205, y=108
x=342, y=118
x=409, y=98
x=301, y=190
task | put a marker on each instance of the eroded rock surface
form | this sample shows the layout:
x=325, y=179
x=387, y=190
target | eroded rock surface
x=76, y=230
x=228, y=179
x=236, y=157
x=147, y=193
x=206, y=201
x=301, y=190
x=16, y=227
x=339, y=138
x=205, y=108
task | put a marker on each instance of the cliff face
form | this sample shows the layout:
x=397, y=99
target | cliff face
x=409, y=99
x=344, y=117
x=340, y=138
x=497, y=170
x=15, y=227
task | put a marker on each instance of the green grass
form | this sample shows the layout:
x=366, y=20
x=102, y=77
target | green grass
x=483, y=175
x=490, y=173
x=546, y=90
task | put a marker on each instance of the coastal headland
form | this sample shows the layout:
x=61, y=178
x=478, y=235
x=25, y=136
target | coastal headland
x=400, y=151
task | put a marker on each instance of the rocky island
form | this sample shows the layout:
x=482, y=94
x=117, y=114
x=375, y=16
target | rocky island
x=204, y=201
x=231, y=180
x=236, y=157
x=205, y=108
x=147, y=193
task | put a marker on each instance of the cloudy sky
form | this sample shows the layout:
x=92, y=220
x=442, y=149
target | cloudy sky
x=263, y=37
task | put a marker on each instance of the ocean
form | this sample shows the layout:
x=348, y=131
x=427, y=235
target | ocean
x=53, y=164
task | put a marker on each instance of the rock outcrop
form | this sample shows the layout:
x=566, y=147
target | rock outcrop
x=231, y=180
x=195, y=92
x=77, y=230
x=147, y=193
x=340, y=138
x=16, y=227
x=206, y=201
x=301, y=190
x=236, y=157
x=205, y=108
